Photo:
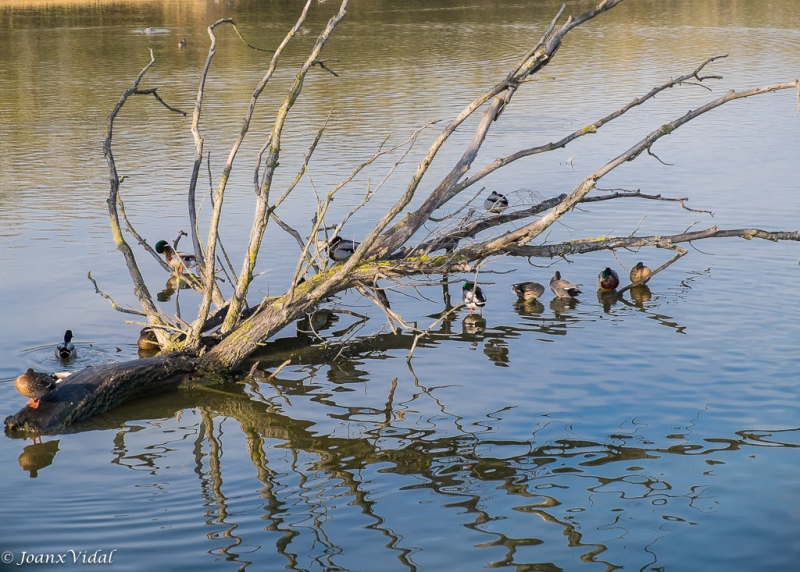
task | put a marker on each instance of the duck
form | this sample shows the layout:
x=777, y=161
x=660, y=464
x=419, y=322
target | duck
x=35, y=385
x=148, y=340
x=182, y=43
x=496, y=203
x=528, y=290
x=563, y=288
x=178, y=260
x=473, y=296
x=340, y=249
x=608, y=279
x=66, y=349
x=639, y=272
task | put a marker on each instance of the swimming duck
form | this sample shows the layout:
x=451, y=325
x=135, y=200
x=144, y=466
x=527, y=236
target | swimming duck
x=35, y=385
x=528, y=290
x=340, y=249
x=608, y=279
x=147, y=340
x=496, y=203
x=182, y=43
x=639, y=272
x=66, y=349
x=563, y=288
x=178, y=260
x=473, y=296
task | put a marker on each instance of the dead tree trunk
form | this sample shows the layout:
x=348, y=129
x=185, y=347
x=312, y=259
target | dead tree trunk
x=384, y=253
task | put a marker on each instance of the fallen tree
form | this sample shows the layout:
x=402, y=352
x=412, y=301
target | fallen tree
x=215, y=345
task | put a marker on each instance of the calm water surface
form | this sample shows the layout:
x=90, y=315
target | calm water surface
x=656, y=432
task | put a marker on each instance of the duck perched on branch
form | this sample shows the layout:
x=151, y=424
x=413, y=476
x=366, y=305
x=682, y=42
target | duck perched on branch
x=178, y=260
x=35, y=385
x=340, y=249
x=608, y=279
x=66, y=349
x=473, y=296
x=563, y=288
x=496, y=203
x=639, y=272
x=528, y=290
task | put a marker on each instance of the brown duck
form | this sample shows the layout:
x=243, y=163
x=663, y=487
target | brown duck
x=35, y=385
x=639, y=272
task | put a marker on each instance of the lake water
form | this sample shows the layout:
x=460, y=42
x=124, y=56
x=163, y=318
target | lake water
x=655, y=432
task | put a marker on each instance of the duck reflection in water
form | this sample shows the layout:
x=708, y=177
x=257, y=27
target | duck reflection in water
x=562, y=306
x=473, y=324
x=497, y=351
x=173, y=284
x=38, y=456
x=607, y=298
x=316, y=322
x=641, y=294
x=528, y=307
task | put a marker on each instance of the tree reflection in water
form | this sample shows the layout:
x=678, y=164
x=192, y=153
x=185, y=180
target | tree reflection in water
x=585, y=492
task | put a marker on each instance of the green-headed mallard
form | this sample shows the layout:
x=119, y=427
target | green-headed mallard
x=340, y=249
x=178, y=260
x=472, y=296
x=66, y=349
x=608, y=279
x=35, y=385
x=639, y=272
x=528, y=290
x=495, y=203
x=563, y=288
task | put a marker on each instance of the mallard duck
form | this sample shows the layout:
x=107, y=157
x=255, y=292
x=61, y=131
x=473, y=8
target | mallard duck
x=340, y=249
x=182, y=43
x=148, y=340
x=496, y=203
x=528, y=290
x=35, y=385
x=66, y=349
x=608, y=279
x=473, y=296
x=178, y=260
x=639, y=272
x=563, y=288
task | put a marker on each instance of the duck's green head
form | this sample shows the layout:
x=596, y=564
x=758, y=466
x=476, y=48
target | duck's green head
x=468, y=286
x=606, y=273
x=160, y=246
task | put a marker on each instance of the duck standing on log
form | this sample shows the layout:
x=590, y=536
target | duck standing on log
x=35, y=385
